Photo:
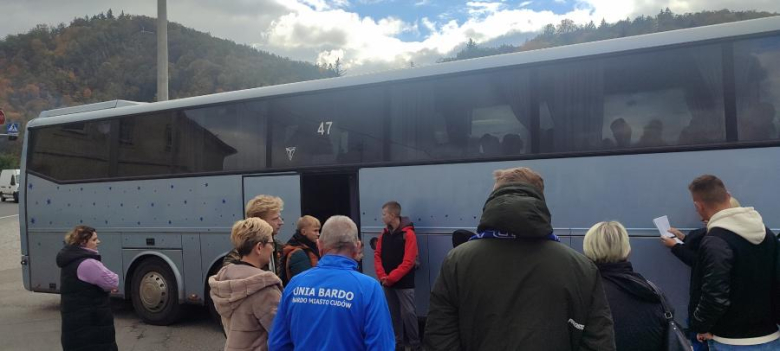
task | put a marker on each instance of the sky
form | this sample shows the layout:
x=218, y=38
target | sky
x=366, y=35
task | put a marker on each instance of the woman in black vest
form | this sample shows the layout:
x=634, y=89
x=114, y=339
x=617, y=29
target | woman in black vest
x=87, y=321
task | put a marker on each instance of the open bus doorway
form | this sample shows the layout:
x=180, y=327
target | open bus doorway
x=328, y=194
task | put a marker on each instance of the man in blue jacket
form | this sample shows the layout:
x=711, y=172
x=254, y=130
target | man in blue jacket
x=333, y=306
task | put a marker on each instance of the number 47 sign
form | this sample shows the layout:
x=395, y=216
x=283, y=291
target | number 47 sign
x=324, y=128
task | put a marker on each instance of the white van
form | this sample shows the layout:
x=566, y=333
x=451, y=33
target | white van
x=9, y=185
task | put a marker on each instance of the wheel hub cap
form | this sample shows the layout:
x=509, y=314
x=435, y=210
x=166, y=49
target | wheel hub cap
x=154, y=291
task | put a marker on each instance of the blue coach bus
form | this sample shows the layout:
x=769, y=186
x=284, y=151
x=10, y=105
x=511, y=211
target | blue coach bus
x=617, y=128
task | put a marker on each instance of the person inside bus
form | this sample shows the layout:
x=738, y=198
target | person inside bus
x=333, y=306
x=246, y=296
x=652, y=134
x=395, y=259
x=636, y=307
x=512, y=144
x=268, y=208
x=621, y=132
x=85, y=283
x=489, y=145
x=494, y=293
x=301, y=253
x=757, y=123
x=687, y=253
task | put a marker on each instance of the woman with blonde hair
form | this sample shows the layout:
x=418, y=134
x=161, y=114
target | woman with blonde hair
x=245, y=296
x=636, y=308
x=85, y=283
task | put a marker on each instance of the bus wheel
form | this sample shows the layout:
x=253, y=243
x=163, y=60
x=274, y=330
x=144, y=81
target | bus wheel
x=16, y=198
x=155, y=294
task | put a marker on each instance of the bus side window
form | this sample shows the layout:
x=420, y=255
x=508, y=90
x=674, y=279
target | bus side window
x=757, y=83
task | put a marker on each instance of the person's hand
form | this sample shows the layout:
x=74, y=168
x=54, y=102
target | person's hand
x=114, y=291
x=668, y=242
x=383, y=281
x=676, y=233
x=703, y=337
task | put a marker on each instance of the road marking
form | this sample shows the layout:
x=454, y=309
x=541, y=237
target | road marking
x=16, y=215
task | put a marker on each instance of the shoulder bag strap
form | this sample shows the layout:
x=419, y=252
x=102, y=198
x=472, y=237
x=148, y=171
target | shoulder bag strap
x=667, y=310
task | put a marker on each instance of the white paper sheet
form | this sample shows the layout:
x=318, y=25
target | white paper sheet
x=662, y=223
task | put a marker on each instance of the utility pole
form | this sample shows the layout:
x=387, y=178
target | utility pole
x=162, y=50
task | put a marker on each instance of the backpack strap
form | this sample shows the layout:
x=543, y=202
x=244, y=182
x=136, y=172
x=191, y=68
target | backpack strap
x=287, y=271
x=312, y=259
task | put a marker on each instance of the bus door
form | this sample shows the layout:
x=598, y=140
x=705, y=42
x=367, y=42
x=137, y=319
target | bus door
x=284, y=185
x=326, y=194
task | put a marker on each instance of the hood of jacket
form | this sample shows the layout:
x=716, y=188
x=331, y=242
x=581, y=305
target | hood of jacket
x=71, y=253
x=623, y=276
x=743, y=221
x=405, y=223
x=236, y=282
x=519, y=209
x=300, y=240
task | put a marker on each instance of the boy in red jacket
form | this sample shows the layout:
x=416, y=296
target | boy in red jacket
x=394, y=259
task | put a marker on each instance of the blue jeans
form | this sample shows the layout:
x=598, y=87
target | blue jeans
x=697, y=345
x=770, y=346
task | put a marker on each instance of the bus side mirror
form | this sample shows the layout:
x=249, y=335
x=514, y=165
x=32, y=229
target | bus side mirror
x=13, y=180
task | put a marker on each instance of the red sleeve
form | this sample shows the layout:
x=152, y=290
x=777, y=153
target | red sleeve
x=380, y=270
x=410, y=255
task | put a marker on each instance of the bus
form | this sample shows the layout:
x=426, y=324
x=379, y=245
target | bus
x=617, y=128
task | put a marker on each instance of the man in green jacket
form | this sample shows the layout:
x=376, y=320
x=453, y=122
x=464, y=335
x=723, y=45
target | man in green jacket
x=514, y=286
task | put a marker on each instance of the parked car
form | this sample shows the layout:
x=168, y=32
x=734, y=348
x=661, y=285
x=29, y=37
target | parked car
x=9, y=185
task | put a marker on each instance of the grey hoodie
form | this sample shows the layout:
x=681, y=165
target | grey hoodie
x=246, y=297
x=743, y=221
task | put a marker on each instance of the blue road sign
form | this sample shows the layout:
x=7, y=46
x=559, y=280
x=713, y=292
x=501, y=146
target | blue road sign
x=12, y=128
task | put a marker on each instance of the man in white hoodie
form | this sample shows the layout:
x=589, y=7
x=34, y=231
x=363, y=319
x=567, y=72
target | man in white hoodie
x=733, y=282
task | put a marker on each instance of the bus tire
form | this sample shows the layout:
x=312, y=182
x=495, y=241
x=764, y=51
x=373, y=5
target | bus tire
x=155, y=293
x=2, y=198
x=16, y=198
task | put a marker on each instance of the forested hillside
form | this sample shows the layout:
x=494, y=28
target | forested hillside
x=109, y=57
x=567, y=32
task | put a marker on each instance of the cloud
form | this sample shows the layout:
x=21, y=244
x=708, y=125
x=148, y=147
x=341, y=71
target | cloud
x=366, y=44
x=428, y=24
x=483, y=8
x=325, y=30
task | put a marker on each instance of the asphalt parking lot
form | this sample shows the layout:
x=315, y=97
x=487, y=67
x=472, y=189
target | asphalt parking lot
x=31, y=321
